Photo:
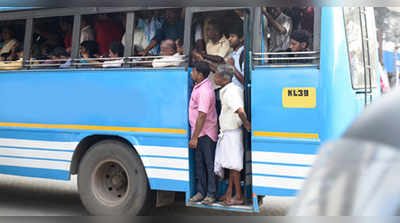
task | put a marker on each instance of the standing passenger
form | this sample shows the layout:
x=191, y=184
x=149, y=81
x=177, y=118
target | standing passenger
x=107, y=31
x=279, y=27
x=236, y=59
x=87, y=31
x=230, y=149
x=171, y=29
x=203, y=122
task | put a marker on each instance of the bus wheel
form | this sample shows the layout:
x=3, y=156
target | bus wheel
x=112, y=180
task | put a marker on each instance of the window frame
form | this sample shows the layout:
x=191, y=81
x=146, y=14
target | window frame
x=368, y=63
x=258, y=39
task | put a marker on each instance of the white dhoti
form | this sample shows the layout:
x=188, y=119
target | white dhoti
x=229, y=152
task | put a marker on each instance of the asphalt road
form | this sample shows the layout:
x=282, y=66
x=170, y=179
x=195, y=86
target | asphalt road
x=21, y=196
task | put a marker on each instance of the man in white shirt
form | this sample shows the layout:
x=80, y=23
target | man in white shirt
x=277, y=26
x=171, y=57
x=87, y=32
x=230, y=149
x=116, y=50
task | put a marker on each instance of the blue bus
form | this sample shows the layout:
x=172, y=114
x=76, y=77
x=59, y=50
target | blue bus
x=124, y=130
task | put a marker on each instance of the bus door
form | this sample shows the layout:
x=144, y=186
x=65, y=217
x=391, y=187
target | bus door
x=284, y=116
x=226, y=16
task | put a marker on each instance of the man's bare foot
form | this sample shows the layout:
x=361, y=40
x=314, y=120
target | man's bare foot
x=233, y=201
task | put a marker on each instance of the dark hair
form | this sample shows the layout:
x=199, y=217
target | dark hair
x=117, y=48
x=217, y=24
x=301, y=36
x=91, y=46
x=237, y=29
x=172, y=43
x=180, y=42
x=58, y=52
x=202, y=67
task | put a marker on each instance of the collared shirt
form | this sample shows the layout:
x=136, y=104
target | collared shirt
x=231, y=100
x=175, y=60
x=278, y=41
x=150, y=28
x=235, y=55
x=139, y=40
x=222, y=48
x=87, y=33
x=203, y=100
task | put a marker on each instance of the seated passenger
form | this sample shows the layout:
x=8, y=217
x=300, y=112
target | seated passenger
x=299, y=42
x=88, y=51
x=278, y=27
x=59, y=57
x=14, y=65
x=172, y=57
x=116, y=51
x=107, y=31
x=172, y=29
x=6, y=52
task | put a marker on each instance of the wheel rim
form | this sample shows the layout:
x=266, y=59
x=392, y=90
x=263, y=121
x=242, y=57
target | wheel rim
x=110, y=182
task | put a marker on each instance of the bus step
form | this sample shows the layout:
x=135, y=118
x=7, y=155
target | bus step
x=220, y=206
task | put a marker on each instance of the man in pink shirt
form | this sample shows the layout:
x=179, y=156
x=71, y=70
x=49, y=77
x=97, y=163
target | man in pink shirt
x=204, y=135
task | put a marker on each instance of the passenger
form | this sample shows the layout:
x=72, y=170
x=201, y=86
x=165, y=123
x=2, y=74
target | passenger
x=66, y=28
x=88, y=51
x=172, y=57
x=279, y=27
x=140, y=41
x=203, y=123
x=299, y=42
x=14, y=65
x=236, y=59
x=149, y=23
x=107, y=31
x=307, y=20
x=171, y=29
x=230, y=150
x=116, y=51
x=6, y=52
x=87, y=31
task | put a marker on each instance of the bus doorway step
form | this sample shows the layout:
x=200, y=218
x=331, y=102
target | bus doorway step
x=220, y=206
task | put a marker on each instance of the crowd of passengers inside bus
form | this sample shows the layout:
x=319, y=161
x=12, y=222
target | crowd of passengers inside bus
x=157, y=38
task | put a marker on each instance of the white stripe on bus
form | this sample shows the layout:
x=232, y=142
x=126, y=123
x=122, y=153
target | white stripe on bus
x=281, y=170
x=278, y=182
x=167, y=174
x=36, y=153
x=44, y=164
x=38, y=144
x=165, y=162
x=162, y=151
x=287, y=158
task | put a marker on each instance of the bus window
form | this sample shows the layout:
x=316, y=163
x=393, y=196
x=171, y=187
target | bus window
x=158, y=38
x=11, y=44
x=51, y=42
x=359, y=48
x=288, y=35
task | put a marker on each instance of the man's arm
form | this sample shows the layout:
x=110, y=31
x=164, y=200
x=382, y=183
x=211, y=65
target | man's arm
x=237, y=73
x=201, y=119
x=243, y=117
x=279, y=27
x=152, y=44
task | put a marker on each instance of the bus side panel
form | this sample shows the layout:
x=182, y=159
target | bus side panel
x=285, y=139
x=54, y=110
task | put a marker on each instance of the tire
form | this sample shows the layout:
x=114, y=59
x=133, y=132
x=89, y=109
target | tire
x=113, y=181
